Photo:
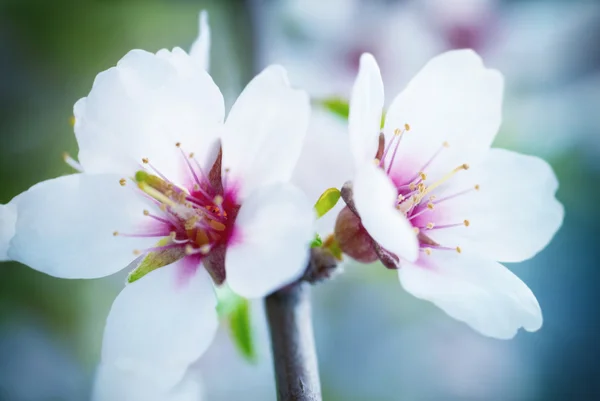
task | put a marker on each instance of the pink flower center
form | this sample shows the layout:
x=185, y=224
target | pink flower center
x=415, y=193
x=196, y=219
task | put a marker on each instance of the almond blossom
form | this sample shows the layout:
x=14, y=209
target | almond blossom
x=435, y=198
x=182, y=197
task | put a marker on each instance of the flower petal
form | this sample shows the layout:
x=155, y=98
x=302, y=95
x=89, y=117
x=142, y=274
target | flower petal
x=512, y=216
x=162, y=323
x=141, y=108
x=115, y=383
x=65, y=226
x=366, y=108
x=480, y=292
x=325, y=162
x=200, y=50
x=8, y=221
x=264, y=132
x=453, y=99
x=375, y=198
x=274, y=228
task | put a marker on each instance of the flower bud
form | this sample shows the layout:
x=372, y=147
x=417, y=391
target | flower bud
x=352, y=237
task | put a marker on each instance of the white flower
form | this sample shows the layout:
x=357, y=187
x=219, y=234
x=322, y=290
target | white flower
x=445, y=203
x=163, y=176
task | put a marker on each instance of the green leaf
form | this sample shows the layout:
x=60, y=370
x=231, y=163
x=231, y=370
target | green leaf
x=327, y=201
x=341, y=107
x=241, y=331
x=337, y=106
x=155, y=260
x=317, y=242
x=236, y=311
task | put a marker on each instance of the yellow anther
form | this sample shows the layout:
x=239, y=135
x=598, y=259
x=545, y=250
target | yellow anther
x=192, y=155
x=196, y=187
x=430, y=206
x=163, y=207
x=189, y=250
x=173, y=235
x=427, y=251
x=423, y=176
x=115, y=233
x=407, y=127
x=411, y=186
x=137, y=252
x=205, y=249
x=72, y=121
x=400, y=198
x=122, y=181
x=467, y=223
x=146, y=212
x=65, y=156
x=397, y=132
x=191, y=222
x=458, y=249
x=416, y=230
x=477, y=187
x=430, y=226
x=441, y=181
x=145, y=160
x=218, y=200
x=432, y=198
x=178, y=144
x=445, y=144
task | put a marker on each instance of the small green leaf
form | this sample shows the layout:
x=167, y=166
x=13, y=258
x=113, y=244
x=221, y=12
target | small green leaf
x=236, y=311
x=327, y=201
x=337, y=106
x=240, y=329
x=341, y=107
x=317, y=242
x=155, y=260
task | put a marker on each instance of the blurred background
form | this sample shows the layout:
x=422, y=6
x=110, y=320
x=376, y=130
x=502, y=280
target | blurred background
x=375, y=342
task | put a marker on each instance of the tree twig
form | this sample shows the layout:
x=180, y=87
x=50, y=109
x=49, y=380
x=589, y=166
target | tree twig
x=293, y=344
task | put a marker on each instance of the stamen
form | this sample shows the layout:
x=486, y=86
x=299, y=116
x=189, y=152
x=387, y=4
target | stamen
x=187, y=161
x=122, y=181
x=458, y=249
x=443, y=180
x=430, y=226
x=398, y=134
x=427, y=251
x=72, y=163
x=428, y=163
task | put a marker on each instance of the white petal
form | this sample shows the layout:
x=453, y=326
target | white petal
x=264, y=132
x=141, y=108
x=200, y=50
x=366, y=108
x=513, y=216
x=8, y=221
x=480, y=292
x=454, y=98
x=65, y=226
x=114, y=383
x=325, y=162
x=375, y=199
x=162, y=322
x=274, y=228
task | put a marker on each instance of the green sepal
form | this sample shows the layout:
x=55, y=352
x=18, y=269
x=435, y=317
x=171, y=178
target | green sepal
x=236, y=311
x=156, y=259
x=327, y=201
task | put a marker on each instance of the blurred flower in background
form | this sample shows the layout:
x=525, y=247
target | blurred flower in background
x=375, y=342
